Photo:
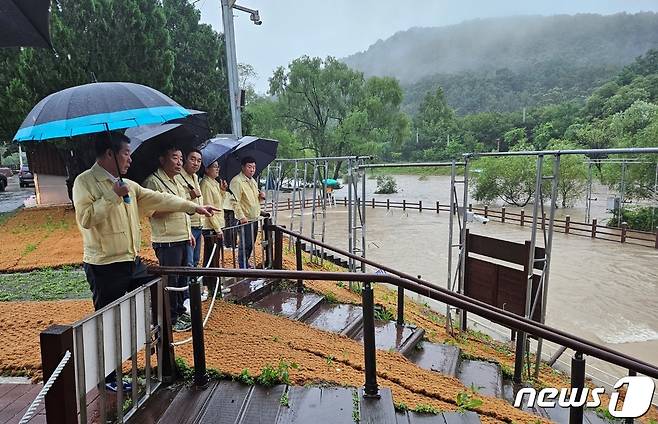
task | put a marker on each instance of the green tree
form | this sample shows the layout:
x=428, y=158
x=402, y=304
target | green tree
x=199, y=73
x=435, y=124
x=572, y=177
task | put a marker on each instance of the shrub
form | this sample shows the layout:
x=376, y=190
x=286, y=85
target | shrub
x=637, y=218
x=386, y=185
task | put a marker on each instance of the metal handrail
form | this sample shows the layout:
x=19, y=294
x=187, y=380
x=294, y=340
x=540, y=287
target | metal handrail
x=443, y=295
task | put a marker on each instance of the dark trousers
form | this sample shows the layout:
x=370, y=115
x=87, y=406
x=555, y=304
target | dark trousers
x=174, y=254
x=248, y=233
x=109, y=282
x=230, y=236
x=210, y=239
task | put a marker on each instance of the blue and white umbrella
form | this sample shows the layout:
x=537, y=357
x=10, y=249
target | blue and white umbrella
x=97, y=107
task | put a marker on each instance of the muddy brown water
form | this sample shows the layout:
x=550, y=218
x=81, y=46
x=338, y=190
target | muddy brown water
x=603, y=291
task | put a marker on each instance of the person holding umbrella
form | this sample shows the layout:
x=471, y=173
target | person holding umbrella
x=214, y=193
x=246, y=206
x=107, y=212
x=171, y=233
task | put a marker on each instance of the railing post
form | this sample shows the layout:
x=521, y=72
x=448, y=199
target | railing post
x=198, y=343
x=420, y=205
x=522, y=217
x=278, y=249
x=345, y=200
x=656, y=246
x=577, y=382
x=518, y=357
x=594, y=228
x=371, y=388
x=486, y=211
x=388, y=205
x=543, y=221
x=404, y=205
x=267, y=235
x=624, y=229
x=502, y=214
x=373, y=203
x=61, y=405
x=400, y=305
x=438, y=206
x=567, y=224
x=470, y=207
x=298, y=257
x=168, y=357
x=289, y=207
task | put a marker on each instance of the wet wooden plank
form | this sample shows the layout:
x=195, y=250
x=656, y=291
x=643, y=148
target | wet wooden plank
x=483, y=376
x=416, y=418
x=436, y=357
x=335, y=317
x=377, y=411
x=16, y=391
x=263, y=405
x=317, y=405
x=467, y=417
x=226, y=403
x=388, y=335
x=158, y=404
x=20, y=400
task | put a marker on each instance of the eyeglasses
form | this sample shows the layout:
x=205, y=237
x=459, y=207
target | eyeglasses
x=214, y=166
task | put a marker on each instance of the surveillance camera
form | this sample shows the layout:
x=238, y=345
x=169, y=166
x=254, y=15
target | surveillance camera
x=255, y=18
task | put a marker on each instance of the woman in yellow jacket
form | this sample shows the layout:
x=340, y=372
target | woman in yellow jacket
x=213, y=193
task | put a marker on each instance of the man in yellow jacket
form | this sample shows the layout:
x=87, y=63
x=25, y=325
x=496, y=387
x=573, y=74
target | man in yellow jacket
x=246, y=206
x=107, y=212
x=213, y=193
x=171, y=233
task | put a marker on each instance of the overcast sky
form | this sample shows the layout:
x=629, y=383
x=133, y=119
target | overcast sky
x=292, y=28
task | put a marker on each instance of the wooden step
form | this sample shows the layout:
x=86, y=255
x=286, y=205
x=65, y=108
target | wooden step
x=391, y=336
x=249, y=290
x=441, y=358
x=336, y=318
x=377, y=411
x=290, y=304
x=317, y=405
x=411, y=417
x=483, y=376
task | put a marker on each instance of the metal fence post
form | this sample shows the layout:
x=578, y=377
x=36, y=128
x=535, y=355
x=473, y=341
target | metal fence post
x=298, y=257
x=631, y=373
x=278, y=249
x=267, y=236
x=198, y=343
x=61, y=405
x=577, y=382
x=370, y=355
x=167, y=354
x=400, y=305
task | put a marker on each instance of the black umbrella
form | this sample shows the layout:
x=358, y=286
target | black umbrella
x=97, y=107
x=146, y=143
x=262, y=150
x=218, y=149
x=24, y=23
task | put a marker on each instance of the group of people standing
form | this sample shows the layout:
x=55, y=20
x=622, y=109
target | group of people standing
x=183, y=210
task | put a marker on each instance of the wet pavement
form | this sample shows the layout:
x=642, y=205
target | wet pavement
x=13, y=196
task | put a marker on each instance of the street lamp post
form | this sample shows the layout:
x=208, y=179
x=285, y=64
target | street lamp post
x=232, y=61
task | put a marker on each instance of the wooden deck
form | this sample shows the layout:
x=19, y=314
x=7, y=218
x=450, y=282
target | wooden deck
x=14, y=401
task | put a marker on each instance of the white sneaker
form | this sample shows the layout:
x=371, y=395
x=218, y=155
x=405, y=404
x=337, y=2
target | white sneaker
x=204, y=296
x=186, y=303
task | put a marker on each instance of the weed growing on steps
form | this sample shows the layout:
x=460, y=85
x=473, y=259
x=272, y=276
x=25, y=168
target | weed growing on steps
x=244, y=377
x=382, y=314
x=331, y=297
x=465, y=402
x=424, y=408
x=284, y=401
x=270, y=376
x=184, y=370
x=329, y=359
x=401, y=406
x=356, y=409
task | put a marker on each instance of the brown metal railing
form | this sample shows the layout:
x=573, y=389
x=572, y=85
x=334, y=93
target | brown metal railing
x=407, y=282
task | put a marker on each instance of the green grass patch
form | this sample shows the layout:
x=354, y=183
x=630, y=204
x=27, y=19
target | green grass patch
x=45, y=284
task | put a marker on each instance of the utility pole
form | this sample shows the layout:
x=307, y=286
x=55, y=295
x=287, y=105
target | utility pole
x=232, y=67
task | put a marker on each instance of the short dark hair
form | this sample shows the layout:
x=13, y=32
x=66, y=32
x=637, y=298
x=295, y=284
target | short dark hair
x=247, y=159
x=168, y=147
x=187, y=153
x=109, y=140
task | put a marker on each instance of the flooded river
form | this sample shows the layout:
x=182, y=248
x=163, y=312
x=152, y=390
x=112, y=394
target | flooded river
x=602, y=291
